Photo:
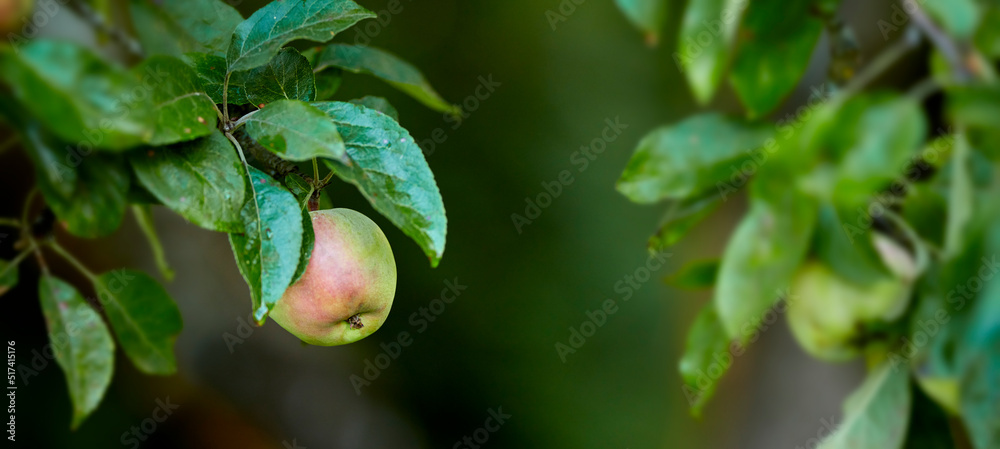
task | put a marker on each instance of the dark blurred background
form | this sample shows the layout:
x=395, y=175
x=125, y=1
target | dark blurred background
x=492, y=350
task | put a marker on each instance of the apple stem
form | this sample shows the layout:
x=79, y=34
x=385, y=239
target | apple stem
x=313, y=203
x=355, y=322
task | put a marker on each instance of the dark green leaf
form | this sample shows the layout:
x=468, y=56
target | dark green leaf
x=80, y=341
x=696, y=275
x=762, y=255
x=923, y=210
x=706, y=358
x=87, y=193
x=680, y=219
x=211, y=71
x=258, y=39
x=704, y=64
x=287, y=76
x=690, y=157
x=773, y=52
x=389, y=169
x=929, y=428
x=77, y=95
x=646, y=15
x=379, y=104
x=144, y=317
x=144, y=218
x=270, y=248
x=201, y=180
x=175, y=27
x=327, y=83
x=876, y=414
x=308, y=242
x=387, y=67
x=295, y=131
x=181, y=110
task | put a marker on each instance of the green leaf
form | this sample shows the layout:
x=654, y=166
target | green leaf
x=958, y=17
x=646, y=15
x=181, y=110
x=976, y=108
x=258, y=39
x=200, y=180
x=705, y=64
x=696, y=275
x=270, y=248
x=680, y=219
x=8, y=276
x=144, y=218
x=176, y=27
x=961, y=198
x=287, y=76
x=144, y=317
x=377, y=103
x=299, y=187
x=389, y=169
x=763, y=253
x=80, y=341
x=706, y=358
x=690, y=157
x=88, y=194
x=77, y=95
x=385, y=66
x=211, y=72
x=773, y=52
x=987, y=38
x=308, y=242
x=844, y=245
x=295, y=131
x=886, y=138
x=876, y=414
x=979, y=352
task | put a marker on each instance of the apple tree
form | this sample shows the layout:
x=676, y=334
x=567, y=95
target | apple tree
x=872, y=222
x=215, y=117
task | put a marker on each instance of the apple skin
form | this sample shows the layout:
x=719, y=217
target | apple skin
x=347, y=289
x=829, y=312
x=11, y=13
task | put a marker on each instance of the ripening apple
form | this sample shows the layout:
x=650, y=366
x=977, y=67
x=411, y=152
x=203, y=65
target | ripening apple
x=12, y=13
x=346, y=291
x=828, y=312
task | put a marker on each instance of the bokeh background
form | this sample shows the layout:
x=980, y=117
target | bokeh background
x=493, y=348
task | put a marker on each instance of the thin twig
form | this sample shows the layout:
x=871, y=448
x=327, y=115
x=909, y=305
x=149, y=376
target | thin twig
x=882, y=62
x=72, y=260
x=17, y=260
x=949, y=48
x=922, y=90
x=10, y=222
x=26, y=231
x=95, y=20
x=225, y=102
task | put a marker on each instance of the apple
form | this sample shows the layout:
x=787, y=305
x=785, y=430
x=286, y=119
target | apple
x=12, y=13
x=346, y=291
x=828, y=313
